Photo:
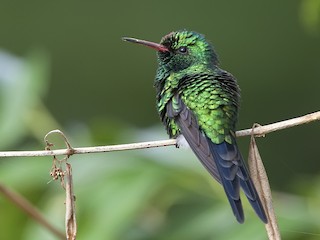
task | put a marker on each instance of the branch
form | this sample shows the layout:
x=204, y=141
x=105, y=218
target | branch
x=262, y=130
x=258, y=131
x=32, y=211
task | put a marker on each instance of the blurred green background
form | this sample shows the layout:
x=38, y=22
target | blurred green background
x=63, y=65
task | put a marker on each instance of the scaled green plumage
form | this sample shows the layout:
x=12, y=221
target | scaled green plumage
x=197, y=99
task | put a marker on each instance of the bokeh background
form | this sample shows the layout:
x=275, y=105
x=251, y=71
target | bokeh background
x=63, y=65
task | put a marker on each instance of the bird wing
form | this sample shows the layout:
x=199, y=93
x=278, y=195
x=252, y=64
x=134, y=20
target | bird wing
x=189, y=127
x=223, y=161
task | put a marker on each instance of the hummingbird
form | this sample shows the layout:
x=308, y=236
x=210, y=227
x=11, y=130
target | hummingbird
x=198, y=103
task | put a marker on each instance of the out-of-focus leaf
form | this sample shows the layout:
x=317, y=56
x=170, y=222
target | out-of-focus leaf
x=22, y=83
x=310, y=15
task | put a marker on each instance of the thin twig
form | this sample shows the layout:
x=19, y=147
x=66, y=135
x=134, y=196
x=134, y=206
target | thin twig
x=258, y=131
x=32, y=211
x=262, y=130
x=84, y=150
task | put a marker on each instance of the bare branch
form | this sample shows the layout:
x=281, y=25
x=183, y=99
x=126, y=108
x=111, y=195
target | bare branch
x=262, y=130
x=258, y=131
x=32, y=211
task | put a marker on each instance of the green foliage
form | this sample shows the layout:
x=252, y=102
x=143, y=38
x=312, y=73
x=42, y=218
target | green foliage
x=22, y=83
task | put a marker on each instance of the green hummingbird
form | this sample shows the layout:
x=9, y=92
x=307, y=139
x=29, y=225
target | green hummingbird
x=198, y=103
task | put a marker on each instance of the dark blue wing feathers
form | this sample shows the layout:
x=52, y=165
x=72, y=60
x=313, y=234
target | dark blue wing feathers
x=223, y=161
x=234, y=175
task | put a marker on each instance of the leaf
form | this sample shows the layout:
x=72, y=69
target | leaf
x=310, y=15
x=70, y=221
x=22, y=83
x=261, y=182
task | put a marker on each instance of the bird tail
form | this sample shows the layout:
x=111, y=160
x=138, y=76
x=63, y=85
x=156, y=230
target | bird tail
x=234, y=174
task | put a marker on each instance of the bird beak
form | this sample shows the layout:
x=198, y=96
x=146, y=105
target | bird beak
x=157, y=46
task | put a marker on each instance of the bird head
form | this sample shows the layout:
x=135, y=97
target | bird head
x=181, y=50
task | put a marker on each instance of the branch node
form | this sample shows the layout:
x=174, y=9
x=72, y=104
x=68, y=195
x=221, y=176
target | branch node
x=256, y=125
x=70, y=150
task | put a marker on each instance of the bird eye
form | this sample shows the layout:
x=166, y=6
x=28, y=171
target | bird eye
x=182, y=49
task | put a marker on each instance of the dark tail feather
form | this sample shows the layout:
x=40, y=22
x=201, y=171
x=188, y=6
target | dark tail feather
x=234, y=174
x=248, y=188
x=236, y=206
